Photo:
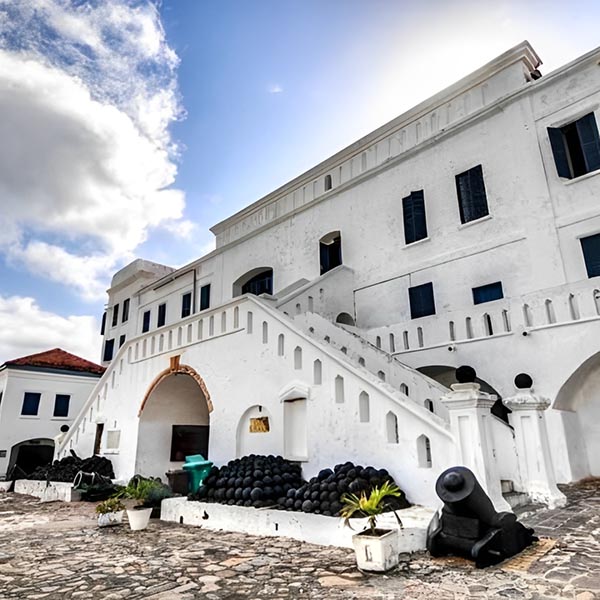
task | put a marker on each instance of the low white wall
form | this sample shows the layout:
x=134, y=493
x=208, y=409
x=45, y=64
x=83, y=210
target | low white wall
x=47, y=492
x=315, y=529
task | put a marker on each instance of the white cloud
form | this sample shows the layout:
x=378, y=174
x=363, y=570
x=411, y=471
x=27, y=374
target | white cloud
x=87, y=93
x=27, y=329
x=275, y=88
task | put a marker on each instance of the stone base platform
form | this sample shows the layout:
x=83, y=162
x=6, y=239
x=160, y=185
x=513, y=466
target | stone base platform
x=315, y=529
x=47, y=492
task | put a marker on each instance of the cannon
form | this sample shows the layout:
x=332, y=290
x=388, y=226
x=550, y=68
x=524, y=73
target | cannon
x=468, y=525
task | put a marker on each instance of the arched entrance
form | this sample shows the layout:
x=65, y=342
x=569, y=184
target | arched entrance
x=579, y=399
x=174, y=422
x=27, y=456
x=446, y=375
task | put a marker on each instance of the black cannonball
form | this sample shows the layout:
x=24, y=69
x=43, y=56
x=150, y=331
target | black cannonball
x=246, y=492
x=202, y=492
x=325, y=505
x=327, y=513
x=297, y=504
x=351, y=474
x=229, y=493
x=332, y=486
x=238, y=493
x=239, y=482
x=354, y=486
x=291, y=493
x=221, y=482
x=211, y=493
x=258, y=474
x=324, y=474
x=231, y=502
x=307, y=506
x=342, y=485
x=335, y=508
x=333, y=496
x=256, y=494
x=248, y=502
x=247, y=481
x=268, y=491
x=465, y=374
x=289, y=503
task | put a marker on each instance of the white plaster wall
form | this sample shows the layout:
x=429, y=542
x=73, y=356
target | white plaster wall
x=253, y=442
x=16, y=428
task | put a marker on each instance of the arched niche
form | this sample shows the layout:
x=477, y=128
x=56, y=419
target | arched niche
x=345, y=319
x=256, y=281
x=255, y=433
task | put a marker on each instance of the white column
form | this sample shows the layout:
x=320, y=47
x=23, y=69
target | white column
x=470, y=416
x=533, y=447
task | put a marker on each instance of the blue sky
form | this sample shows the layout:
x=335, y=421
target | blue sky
x=134, y=127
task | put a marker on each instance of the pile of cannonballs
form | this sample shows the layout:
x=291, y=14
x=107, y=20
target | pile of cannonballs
x=66, y=469
x=262, y=481
x=250, y=481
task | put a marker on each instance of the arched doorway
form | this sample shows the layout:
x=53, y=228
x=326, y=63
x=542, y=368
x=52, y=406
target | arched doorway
x=578, y=398
x=257, y=281
x=28, y=455
x=446, y=375
x=174, y=422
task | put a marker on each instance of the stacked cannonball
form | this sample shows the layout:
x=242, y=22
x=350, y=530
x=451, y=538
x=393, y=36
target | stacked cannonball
x=323, y=493
x=262, y=481
x=250, y=481
x=68, y=467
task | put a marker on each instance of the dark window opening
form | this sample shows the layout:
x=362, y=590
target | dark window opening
x=122, y=340
x=259, y=284
x=591, y=254
x=109, y=348
x=61, y=405
x=488, y=293
x=472, y=200
x=162, y=315
x=125, y=316
x=330, y=251
x=328, y=183
x=103, y=326
x=146, y=322
x=576, y=147
x=415, y=223
x=186, y=305
x=205, y=297
x=421, y=301
x=98, y=437
x=115, y=315
x=188, y=440
x=31, y=404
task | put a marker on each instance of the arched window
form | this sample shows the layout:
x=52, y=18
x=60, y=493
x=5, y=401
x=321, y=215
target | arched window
x=392, y=343
x=391, y=428
x=506, y=320
x=236, y=317
x=363, y=407
x=280, y=344
x=429, y=405
x=257, y=281
x=573, y=307
x=424, y=452
x=211, y=325
x=469, y=328
x=550, y=315
x=330, y=251
x=597, y=301
x=361, y=361
x=223, y=322
x=317, y=372
x=339, y=389
x=248, y=322
x=311, y=304
x=405, y=340
x=298, y=308
x=297, y=358
x=452, y=331
x=527, y=316
x=381, y=375
x=378, y=341
x=487, y=324
x=404, y=389
x=420, y=336
x=328, y=184
x=265, y=332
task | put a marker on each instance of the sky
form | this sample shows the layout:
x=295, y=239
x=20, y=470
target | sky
x=132, y=126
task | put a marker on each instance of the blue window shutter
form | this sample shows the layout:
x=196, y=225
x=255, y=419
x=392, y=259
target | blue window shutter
x=421, y=301
x=61, y=405
x=559, y=151
x=472, y=199
x=205, y=297
x=591, y=254
x=146, y=322
x=488, y=293
x=415, y=224
x=31, y=404
x=590, y=142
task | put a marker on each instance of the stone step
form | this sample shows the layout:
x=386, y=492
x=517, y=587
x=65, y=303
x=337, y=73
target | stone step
x=516, y=499
x=507, y=486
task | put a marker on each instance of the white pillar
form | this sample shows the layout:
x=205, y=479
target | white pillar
x=533, y=448
x=470, y=416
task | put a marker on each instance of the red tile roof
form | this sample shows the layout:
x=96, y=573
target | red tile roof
x=56, y=359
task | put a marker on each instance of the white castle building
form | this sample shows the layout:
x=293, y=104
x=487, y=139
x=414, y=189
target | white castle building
x=328, y=323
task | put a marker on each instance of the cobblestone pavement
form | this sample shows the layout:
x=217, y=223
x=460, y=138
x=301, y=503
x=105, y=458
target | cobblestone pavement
x=55, y=551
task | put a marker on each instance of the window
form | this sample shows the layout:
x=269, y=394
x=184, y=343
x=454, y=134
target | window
x=103, y=326
x=186, y=305
x=109, y=347
x=162, y=315
x=31, y=404
x=205, y=296
x=146, y=322
x=330, y=251
x=421, y=301
x=591, y=254
x=415, y=223
x=328, y=184
x=488, y=293
x=261, y=283
x=125, y=316
x=187, y=440
x=115, y=315
x=122, y=340
x=61, y=405
x=472, y=200
x=576, y=147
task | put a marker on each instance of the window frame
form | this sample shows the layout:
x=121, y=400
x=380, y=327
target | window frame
x=110, y=343
x=486, y=287
x=466, y=194
x=591, y=263
x=125, y=313
x=161, y=316
x=413, y=300
x=413, y=203
x=68, y=401
x=37, y=407
x=205, y=296
x=185, y=314
x=115, y=315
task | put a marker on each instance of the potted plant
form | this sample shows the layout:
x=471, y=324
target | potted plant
x=376, y=549
x=137, y=489
x=110, y=512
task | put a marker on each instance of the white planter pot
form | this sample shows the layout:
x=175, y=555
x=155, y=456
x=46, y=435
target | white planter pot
x=138, y=518
x=376, y=553
x=111, y=518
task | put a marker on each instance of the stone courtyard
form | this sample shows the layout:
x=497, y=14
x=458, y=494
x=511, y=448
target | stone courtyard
x=56, y=551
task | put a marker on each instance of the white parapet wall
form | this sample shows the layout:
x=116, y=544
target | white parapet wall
x=47, y=491
x=315, y=529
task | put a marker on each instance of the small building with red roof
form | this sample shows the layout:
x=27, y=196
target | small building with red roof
x=40, y=395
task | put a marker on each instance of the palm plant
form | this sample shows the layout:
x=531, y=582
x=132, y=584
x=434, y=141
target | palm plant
x=370, y=506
